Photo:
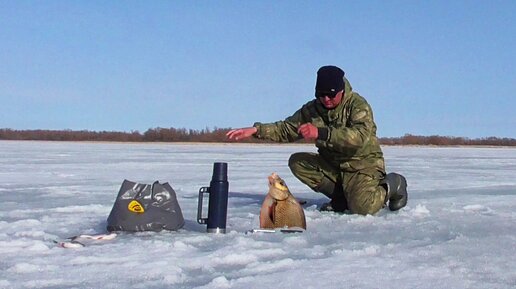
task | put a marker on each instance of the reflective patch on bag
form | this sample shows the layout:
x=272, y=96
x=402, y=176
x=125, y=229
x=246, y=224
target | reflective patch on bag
x=135, y=207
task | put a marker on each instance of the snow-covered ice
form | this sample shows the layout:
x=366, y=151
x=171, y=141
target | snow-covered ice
x=457, y=231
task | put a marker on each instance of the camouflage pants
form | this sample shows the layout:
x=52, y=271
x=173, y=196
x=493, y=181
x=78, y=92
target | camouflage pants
x=361, y=189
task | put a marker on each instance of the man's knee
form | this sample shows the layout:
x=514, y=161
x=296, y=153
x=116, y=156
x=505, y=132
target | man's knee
x=294, y=162
x=366, y=197
x=304, y=166
x=301, y=165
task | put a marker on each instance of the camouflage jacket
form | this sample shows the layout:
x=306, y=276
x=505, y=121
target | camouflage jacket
x=347, y=133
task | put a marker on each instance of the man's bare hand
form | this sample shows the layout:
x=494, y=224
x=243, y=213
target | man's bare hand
x=308, y=131
x=241, y=133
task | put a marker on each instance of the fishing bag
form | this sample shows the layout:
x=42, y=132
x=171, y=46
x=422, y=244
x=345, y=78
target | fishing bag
x=144, y=207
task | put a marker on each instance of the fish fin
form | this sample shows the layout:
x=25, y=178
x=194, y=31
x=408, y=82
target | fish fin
x=267, y=213
x=272, y=212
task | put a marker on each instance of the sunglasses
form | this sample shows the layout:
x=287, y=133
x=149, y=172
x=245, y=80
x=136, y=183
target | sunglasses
x=329, y=94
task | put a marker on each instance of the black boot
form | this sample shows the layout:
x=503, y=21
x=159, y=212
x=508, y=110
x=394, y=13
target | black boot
x=335, y=192
x=396, y=188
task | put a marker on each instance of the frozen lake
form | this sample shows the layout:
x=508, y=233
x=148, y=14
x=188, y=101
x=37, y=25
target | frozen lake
x=457, y=231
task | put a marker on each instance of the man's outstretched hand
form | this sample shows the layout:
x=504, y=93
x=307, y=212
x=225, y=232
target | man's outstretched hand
x=241, y=133
x=308, y=131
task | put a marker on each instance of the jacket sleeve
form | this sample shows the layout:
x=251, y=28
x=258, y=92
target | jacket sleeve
x=282, y=131
x=354, y=133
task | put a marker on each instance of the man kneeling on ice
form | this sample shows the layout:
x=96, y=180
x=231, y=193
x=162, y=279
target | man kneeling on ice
x=349, y=166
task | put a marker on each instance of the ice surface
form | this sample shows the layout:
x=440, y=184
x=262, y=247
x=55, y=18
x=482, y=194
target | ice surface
x=458, y=230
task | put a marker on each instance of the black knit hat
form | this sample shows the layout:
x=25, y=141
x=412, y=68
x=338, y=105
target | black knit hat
x=329, y=79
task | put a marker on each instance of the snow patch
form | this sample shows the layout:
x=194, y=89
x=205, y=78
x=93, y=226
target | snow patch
x=420, y=211
x=366, y=251
x=24, y=268
x=38, y=247
x=30, y=234
x=235, y=259
x=477, y=209
x=218, y=282
x=269, y=267
x=46, y=283
x=82, y=209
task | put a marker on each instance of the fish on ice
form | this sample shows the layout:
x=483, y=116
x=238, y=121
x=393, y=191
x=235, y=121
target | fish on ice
x=280, y=209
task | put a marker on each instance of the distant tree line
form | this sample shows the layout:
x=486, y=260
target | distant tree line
x=438, y=140
x=151, y=135
x=219, y=135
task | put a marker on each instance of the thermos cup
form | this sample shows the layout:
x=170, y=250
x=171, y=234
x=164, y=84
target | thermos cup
x=218, y=200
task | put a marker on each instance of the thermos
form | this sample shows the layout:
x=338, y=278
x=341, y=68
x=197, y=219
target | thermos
x=218, y=200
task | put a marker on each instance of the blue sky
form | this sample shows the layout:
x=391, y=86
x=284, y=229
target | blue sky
x=426, y=67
